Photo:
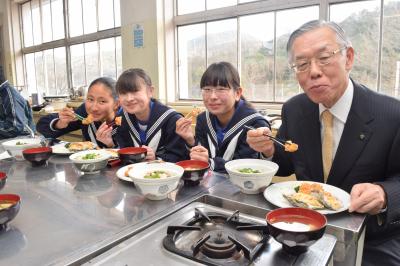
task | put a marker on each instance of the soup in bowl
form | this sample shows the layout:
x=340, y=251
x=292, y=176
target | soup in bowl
x=156, y=179
x=194, y=171
x=131, y=155
x=251, y=175
x=9, y=208
x=296, y=228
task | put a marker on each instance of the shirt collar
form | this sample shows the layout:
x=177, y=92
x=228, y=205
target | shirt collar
x=341, y=108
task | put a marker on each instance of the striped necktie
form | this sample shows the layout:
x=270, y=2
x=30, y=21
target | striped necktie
x=327, y=142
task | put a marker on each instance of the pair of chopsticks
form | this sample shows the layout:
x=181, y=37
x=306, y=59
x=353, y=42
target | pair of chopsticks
x=276, y=140
x=79, y=117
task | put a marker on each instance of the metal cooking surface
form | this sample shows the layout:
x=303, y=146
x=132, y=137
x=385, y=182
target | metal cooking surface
x=146, y=247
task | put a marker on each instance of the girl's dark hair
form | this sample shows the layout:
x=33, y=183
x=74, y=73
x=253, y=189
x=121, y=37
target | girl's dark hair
x=109, y=83
x=131, y=80
x=221, y=74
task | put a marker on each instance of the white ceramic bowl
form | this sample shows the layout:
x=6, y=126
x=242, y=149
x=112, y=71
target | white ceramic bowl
x=156, y=188
x=16, y=146
x=251, y=183
x=90, y=166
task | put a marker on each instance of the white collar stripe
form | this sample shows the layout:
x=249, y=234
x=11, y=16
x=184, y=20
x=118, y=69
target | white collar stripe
x=210, y=127
x=133, y=129
x=240, y=124
x=158, y=122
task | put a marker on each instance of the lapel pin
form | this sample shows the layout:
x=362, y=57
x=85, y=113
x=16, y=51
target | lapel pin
x=362, y=136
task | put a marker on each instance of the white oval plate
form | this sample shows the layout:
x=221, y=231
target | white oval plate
x=60, y=149
x=121, y=171
x=274, y=194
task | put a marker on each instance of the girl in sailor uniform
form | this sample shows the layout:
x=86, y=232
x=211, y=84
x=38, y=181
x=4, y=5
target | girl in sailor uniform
x=219, y=135
x=102, y=105
x=145, y=121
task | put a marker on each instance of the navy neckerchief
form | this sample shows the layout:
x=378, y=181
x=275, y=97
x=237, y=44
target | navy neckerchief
x=142, y=133
x=221, y=131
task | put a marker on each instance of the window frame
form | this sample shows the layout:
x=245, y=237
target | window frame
x=252, y=8
x=67, y=41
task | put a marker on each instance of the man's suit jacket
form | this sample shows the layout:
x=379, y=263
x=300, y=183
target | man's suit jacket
x=368, y=151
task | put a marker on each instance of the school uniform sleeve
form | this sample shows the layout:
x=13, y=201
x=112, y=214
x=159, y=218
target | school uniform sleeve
x=46, y=124
x=243, y=149
x=122, y=137
x=175, y=147
x=13, y=112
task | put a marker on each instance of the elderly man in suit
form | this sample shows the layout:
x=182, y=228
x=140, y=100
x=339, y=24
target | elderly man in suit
x=348, y=135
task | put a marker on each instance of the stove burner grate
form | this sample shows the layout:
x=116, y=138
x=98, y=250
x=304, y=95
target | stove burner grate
x=217, y=239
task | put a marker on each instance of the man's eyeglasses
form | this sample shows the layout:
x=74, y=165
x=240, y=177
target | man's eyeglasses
x=322, y=59
x=217, y=90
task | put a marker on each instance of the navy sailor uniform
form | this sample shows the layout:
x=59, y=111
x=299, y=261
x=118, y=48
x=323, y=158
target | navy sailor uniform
x=229, y=143
x=159, y=133
x=46, y=127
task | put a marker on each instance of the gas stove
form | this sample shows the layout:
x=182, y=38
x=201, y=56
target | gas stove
x=211, y=231
x=214, y=238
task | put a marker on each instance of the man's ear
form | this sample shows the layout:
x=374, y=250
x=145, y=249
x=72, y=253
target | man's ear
x=349, y=58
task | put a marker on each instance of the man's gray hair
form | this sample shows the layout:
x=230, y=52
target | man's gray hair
x=316, y=24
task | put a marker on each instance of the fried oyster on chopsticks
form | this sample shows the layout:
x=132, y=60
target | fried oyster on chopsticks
x=307, y=194
x=87, y=120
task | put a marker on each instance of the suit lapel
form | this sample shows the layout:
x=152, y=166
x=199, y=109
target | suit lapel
x=311, y=134
x=355, y=136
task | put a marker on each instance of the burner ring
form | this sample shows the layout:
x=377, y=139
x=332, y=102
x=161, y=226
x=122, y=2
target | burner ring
x=218, y=246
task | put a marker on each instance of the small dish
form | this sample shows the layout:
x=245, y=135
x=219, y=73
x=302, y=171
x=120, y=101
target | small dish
x=296, y=228
x=37, y=156
x=9, y=208
x=131, y=155
x=194, y=171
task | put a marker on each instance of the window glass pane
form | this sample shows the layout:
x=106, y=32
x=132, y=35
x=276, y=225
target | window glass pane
x=40, y=75
x=57, y=19
x=118, y=55
x=106, y=15
x=117, y=13
x=211, y=4
x=222, y=41
x=257, y=56
x=190, y=6
x=37, y=31
x=390, y=71
x=92, y=61
x=89, y=16
x=192, y=60
x=30, y=73
x=75, y=18
x=286, y=84
x=61, y=71
x=78, y=65
x=46, y=21
x=360, y=20
x=49, y=77
x=27, y=24
x=107, y=57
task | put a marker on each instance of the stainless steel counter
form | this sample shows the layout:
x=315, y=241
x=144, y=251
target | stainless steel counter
x=66, y=216
x=69, y=218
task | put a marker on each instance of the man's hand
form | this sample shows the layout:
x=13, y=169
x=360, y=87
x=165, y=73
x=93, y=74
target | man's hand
x=367, y=198
x=259, y=142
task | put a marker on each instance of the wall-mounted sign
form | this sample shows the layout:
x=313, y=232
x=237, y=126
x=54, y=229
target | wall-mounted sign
x=138, y=36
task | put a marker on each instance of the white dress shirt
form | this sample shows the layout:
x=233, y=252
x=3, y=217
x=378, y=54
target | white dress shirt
x=340, y=110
